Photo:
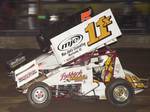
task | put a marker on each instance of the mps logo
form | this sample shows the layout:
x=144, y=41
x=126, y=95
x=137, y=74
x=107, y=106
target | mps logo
x=71, y=42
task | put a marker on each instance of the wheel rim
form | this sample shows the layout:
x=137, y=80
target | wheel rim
x=121, y=93
x=39, y=95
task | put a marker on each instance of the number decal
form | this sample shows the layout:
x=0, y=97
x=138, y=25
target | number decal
x=102, y=23
x=92, y=33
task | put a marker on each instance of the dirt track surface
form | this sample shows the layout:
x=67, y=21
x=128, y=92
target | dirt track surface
x=135, y=60
x=19, y=104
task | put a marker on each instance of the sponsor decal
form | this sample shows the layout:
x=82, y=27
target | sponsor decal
x=30, y=67
x=70, y=42
x=73, y=76
x=17, y=61
x=71, y=46
x=26, y=76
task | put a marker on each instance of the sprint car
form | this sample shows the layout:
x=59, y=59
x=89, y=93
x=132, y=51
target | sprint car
x=78, y=63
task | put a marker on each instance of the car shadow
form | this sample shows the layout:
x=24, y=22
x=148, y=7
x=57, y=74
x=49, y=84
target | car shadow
x=68, y=105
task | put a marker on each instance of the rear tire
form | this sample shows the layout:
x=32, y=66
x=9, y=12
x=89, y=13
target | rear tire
x=39, y=95
x=119, y=92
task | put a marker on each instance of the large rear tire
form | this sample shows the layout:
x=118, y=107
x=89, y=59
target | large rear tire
x=119, y=92
x=39, y=95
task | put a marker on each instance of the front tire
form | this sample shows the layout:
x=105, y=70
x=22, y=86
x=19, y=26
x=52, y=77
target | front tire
x=39, y=95
x=119, y=92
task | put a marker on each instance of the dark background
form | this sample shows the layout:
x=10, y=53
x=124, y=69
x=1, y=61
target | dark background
x=22, y=20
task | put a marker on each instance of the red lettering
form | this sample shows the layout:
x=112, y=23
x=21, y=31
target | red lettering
x=71, y=75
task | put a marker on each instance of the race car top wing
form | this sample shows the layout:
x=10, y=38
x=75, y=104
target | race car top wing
x=92, y=34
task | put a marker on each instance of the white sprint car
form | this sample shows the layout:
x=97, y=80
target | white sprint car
x=79, y=64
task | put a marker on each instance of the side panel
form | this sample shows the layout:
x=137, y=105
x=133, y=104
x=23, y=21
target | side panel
x=47, y=61
x=26, y=73
x=73, y=75
x=118, y=70
x=97, y=87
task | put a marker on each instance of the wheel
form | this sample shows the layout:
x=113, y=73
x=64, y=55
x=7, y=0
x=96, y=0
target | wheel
x=119, y=92
x=39, y=95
